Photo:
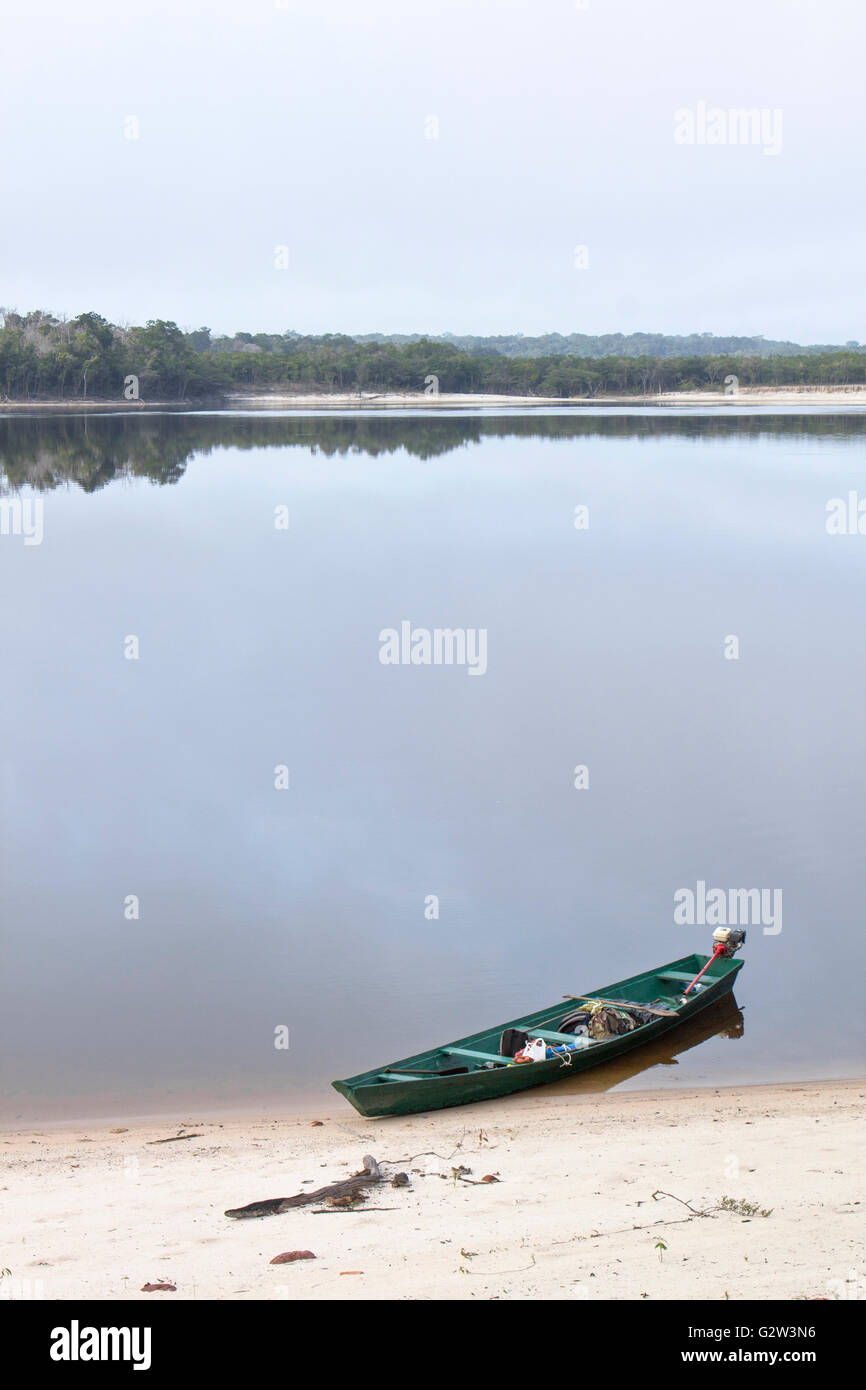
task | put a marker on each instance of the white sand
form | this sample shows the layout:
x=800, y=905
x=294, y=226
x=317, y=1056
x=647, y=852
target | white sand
x=758, y=395
x=751, y=395
x=92, y=1213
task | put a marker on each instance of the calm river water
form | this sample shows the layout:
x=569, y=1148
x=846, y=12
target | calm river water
x=225, y=815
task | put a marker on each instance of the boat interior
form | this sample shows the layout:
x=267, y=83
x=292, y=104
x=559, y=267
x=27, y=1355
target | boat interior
x=662, y=990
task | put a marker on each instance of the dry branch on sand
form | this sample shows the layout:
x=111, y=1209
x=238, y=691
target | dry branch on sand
x=347, y=1191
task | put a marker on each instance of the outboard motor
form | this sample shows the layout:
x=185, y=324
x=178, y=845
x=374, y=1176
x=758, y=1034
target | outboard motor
x=728, y=940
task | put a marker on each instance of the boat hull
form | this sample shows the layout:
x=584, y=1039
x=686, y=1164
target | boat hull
x=374, y=1094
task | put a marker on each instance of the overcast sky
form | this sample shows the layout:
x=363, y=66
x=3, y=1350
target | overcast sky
x=433, y=166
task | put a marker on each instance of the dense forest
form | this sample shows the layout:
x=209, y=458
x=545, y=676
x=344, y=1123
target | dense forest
x=619, y=345
x=46, y=358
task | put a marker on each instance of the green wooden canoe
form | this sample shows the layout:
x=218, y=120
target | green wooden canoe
x=420, y=1083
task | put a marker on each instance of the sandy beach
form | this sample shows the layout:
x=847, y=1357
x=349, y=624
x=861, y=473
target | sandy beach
x=759, y=395
x=419, y=400
x=576, y=1211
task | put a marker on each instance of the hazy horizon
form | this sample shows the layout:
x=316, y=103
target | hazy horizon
x=567, y=166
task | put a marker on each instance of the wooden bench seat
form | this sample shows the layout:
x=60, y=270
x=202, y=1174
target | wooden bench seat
x=477, y=1056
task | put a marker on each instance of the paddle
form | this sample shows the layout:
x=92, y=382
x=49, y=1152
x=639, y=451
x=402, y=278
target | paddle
x=621, y=1004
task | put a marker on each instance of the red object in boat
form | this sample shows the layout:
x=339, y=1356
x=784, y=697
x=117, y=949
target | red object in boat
x=720, y=950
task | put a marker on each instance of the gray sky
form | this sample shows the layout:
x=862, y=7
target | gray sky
x=305, y=123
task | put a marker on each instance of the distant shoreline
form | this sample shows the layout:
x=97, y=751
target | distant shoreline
x=758, y=395
x=754, y=395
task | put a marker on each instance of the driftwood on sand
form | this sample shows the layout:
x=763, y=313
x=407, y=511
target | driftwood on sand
x=370, y=1174
x=174, y=1138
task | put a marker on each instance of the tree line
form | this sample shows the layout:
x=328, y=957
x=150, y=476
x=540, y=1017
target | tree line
x=618, y=344
x=46, y=358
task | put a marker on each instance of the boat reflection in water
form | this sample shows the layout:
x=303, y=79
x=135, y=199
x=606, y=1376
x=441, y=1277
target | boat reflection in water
x=721, y=1020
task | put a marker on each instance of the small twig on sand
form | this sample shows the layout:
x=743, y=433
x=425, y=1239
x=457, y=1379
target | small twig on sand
x=173, y=1138
x=694, y=1210
x=427, y=1153
x=679, y=1221
x=336, y=1211
x=624, y=1230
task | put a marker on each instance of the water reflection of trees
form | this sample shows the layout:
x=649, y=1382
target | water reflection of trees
x=91, y=451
